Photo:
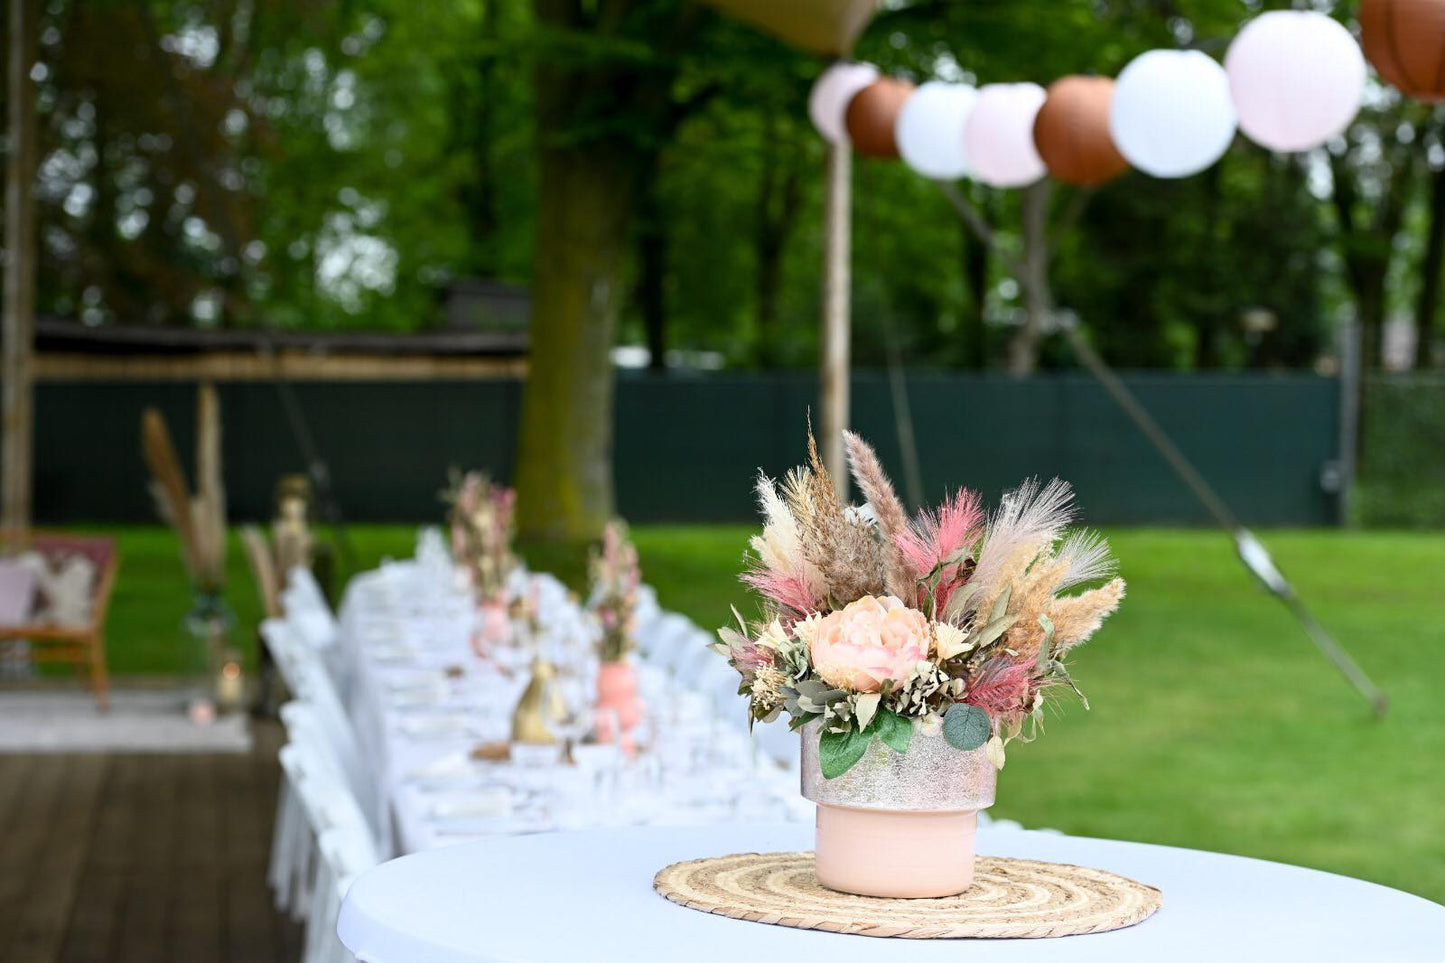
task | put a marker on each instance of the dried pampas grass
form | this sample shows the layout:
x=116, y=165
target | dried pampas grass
x=900, y=577
x=200, y=519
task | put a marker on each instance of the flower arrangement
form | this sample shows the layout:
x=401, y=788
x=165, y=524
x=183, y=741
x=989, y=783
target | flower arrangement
x=615, y=577
x=875, y=624
x=482, y=531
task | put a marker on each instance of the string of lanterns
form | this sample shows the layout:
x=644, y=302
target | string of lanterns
x=1291, y=80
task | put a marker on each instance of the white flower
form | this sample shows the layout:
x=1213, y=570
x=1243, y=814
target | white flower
x=803, y=631
x=774, y=636
x=949, y=641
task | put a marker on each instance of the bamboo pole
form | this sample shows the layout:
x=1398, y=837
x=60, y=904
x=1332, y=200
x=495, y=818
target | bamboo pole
x=834, y=347
x=16, y=393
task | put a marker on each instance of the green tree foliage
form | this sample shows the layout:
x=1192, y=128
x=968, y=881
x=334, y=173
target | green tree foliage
x=310, y=164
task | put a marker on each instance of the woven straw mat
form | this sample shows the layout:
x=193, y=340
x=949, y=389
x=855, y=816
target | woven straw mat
x=1009, y=899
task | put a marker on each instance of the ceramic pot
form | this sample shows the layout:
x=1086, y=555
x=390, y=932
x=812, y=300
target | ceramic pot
x=494, y=627
x=899, y=825
x=617, y=691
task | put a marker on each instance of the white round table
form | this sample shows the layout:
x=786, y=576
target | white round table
x=587, y=897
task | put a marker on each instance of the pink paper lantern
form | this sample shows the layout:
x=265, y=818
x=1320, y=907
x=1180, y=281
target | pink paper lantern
x=998, y=138
x=833, y=91
x=1297, y=78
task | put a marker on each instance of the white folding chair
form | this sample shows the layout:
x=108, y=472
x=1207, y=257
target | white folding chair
x=306, y=608
x=309, y=681
x=338, y=836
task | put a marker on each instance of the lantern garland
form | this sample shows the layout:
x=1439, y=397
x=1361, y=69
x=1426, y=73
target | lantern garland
x=1292, y=80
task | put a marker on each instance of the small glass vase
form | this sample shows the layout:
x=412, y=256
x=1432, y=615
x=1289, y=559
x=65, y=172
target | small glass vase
x=208, y=628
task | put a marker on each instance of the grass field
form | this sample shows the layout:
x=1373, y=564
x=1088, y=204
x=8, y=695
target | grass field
x=1214, y=724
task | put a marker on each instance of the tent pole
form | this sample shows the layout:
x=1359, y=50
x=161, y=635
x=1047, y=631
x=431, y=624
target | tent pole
x=16, y=371
x=833, y=351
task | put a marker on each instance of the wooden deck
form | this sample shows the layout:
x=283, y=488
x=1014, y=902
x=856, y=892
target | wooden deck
x=146, y=858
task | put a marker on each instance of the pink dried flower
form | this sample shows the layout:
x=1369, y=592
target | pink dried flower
x=1002, y=688
x=937, y=536
x=790, y=592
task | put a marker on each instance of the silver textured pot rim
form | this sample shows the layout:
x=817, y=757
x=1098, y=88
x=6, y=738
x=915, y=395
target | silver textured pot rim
x=931, y=776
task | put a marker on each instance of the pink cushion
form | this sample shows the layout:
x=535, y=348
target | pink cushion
x=17, y=592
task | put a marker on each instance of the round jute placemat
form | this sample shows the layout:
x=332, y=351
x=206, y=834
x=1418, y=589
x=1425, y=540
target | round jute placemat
x=1009, y=899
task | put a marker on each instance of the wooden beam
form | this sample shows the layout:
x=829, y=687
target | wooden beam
x=291, y=365
x=18, y=332
x=834, y=347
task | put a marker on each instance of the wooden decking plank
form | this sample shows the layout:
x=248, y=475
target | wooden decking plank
x=31, y=818
x=45, y=912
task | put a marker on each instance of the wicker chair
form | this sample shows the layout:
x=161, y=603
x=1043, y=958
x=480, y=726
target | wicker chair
x=81, y=645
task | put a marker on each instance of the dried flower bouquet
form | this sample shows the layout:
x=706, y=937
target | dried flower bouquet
x=481, y=532
x=875, y=624
x=615, y=578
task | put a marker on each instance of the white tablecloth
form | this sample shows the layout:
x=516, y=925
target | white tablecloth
x=416, y=726
x=588, y=897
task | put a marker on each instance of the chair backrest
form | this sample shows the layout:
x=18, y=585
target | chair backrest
x=57, y=548
x=307, y=678
x=305, y=608
x=314, y=735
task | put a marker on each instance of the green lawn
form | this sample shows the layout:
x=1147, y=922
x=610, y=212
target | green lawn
x=1215, y=724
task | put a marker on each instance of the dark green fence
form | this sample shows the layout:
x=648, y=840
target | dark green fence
x=1402, y=470
x=688, y=447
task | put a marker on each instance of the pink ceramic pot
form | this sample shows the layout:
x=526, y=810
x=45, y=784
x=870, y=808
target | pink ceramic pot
x=617, y=692
x=494, y=627
x=899, y=825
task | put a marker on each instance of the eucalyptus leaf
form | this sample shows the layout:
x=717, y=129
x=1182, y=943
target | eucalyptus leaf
x=966, y=727
x=840, y=751
x=1058, y=671
x=1046, y=648
x=990, y=633
x=1000, y=608
x=895, y=730
x=865, y=707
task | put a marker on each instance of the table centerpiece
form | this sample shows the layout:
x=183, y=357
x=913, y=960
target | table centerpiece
x=481, y=524
x=615, y=578
x=909, y=652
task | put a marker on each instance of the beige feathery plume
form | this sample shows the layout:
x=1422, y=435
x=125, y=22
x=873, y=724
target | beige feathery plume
x=841, y=546
x=778, y=547
x=168, y=482
x=1079, y=616
x=887, y=512
x=209, y=506
x=1032, y=596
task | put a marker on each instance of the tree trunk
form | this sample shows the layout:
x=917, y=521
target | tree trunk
x=564, y=471
x=652, y=267
x=975, y=273
x=780, y=196
x=1430, y=267
x=1023, y=355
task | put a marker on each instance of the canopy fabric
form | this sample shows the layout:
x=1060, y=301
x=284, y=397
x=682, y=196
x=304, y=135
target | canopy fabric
x=821, y=26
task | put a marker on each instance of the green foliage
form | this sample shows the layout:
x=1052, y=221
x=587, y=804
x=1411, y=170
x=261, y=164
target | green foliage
x=1402, y=468
x=326, y=165
x=839, y=751
x=966, y=727
x=895, y=731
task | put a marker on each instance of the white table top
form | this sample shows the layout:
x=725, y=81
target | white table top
x=588, y=896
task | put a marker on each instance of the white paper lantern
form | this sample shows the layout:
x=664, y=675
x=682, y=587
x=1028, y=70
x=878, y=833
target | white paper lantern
x=831, y=94
x=998, y=137
x=930, y=129
x=1172, y=115
x=1298, y=78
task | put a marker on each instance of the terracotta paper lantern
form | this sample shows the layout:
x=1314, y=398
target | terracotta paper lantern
x=833, y=92
x=1298, y=78
x=1071, y=132
x=1405, y=40
x=872, y=115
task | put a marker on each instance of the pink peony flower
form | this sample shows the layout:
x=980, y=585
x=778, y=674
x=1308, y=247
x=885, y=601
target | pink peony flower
x=870, y=640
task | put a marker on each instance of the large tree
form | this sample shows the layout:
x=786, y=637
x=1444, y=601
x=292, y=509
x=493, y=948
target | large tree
x=606, y=99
